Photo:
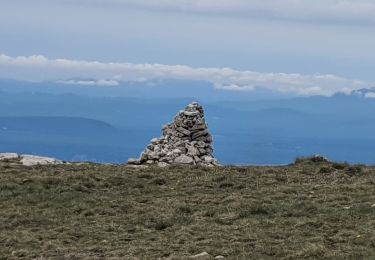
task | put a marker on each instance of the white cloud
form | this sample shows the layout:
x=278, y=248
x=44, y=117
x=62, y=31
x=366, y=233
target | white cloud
x=40, y=68
x=370, y=95
x=100, y=82
x=304, y=10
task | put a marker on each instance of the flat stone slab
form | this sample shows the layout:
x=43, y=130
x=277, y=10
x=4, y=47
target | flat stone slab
x=133, y=161
x=31, y=160
x=188, y=113
x=184, y=159
x=199, y=134
x=183, y=130
x=8, y=156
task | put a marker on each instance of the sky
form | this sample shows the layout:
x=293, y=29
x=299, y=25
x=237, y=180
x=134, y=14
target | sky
x=305, y=47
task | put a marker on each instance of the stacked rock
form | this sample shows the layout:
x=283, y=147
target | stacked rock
x=185, y=141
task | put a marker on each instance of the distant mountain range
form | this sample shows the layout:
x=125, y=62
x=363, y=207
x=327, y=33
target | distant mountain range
x=78, y=124
x=163, y=88
x=69, y=138
x=54, y=125
x=364, y=92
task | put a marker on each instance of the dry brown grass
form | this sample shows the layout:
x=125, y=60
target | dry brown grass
x=91, y=211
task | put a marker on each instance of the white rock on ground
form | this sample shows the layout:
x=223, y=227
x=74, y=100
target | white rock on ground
x=201, y=255
x=162, y=164
x=8, y=156
x=29, y=160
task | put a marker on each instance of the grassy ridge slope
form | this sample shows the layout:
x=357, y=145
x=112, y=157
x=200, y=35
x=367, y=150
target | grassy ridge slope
x=94, y=211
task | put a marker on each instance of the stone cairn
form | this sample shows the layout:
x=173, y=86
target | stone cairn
x=185, y=141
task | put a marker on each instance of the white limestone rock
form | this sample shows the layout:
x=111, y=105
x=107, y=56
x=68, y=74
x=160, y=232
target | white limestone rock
x=184, y=159
x=31, y=160
x=208, y=159
x=192, y=151
x=8, y=156
x=203, y=255
x=162, y=164
x=133, y=161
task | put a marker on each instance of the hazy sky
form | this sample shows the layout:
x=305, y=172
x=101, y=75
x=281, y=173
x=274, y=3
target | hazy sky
x=319, y=45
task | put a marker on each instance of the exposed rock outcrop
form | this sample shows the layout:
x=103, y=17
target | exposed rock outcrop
x=8, y=156
x=29, y=160
x=185, y=141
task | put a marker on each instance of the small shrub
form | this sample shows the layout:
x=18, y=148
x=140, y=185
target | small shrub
x=253, y=210
x=220, y=178
x=88, y=213
x=240, y=187
x=181, y=220
x=138, y=186
x=210, y=213
x=314, y=159
x=6, y=166
x=340, y=166
x=301, y=209
x=185, y=210
x=159, y=181
x=325, y=170
x=162, y=224
x=354, y=170
x=145, y=176
x=226, y=185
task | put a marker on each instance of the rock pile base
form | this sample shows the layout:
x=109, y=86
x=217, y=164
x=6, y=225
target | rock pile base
x=185, y=141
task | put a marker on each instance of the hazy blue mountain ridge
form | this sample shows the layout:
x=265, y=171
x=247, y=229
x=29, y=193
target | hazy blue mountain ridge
x=111, y=129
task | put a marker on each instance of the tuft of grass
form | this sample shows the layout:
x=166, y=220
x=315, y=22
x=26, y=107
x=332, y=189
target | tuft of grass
x=340, y=166
x=355, y=169
x=326, y=169
x=251, y=211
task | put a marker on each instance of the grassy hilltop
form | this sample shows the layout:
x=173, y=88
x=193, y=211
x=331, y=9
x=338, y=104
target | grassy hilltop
x=89, y=211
